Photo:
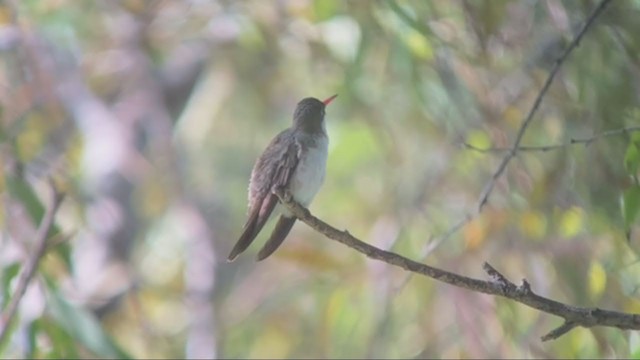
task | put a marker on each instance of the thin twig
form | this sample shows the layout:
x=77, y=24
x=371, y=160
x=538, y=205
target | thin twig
x=512, y=151
x=543, y=148
x=29, y=269
x=498, y=285
x=484, y=197
x=560, y=330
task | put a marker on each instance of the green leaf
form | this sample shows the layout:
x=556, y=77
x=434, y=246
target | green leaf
x=634, y=345
x=21, y=190
x=63, y=345
x=632, y=159
x=630, y=207
x=325, y=9
x=7, y=339
x=8, y=273
x=82, y=326
x=32, y=333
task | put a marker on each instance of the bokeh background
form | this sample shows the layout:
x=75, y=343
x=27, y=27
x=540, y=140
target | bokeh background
x=150, y=114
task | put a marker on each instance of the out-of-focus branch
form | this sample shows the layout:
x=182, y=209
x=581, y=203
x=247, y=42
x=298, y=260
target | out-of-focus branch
x=29, y=269
x=498, y=285
x=484, y=197
x=156, y=98
x=513, y=150
x=544, y=148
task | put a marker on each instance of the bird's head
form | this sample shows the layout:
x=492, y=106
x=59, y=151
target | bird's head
x=309, y=114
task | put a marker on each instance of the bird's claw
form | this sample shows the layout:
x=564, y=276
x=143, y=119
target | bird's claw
x=283, y=192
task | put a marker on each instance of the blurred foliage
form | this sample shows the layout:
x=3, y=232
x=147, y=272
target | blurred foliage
x=149, y=115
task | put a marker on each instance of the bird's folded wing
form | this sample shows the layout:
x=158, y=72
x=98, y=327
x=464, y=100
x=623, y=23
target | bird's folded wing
x=287, y=166
x=261, y=211
x=283, y=177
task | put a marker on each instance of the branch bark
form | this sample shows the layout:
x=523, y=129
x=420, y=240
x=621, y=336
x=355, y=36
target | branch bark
x=31, y=266
x=497, y=285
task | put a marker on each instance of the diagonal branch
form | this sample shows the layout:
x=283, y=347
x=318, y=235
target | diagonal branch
x=573, y=141
x=31, y=266
x=484, y=197
x=498, y=285
x=512, y=151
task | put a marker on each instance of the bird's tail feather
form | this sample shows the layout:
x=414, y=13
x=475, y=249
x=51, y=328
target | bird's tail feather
x=246, y=238
x=280, y=232
x=254, y=224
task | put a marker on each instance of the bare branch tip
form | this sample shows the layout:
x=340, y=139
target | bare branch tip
x=488, y=268
x=559, y=331
x=498, y=278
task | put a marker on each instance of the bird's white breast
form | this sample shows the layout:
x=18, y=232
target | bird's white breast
x=309, y=174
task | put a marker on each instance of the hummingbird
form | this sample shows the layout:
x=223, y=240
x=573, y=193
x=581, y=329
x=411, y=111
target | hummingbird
x=294, y=160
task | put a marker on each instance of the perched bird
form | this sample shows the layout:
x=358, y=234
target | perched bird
x=294, y=160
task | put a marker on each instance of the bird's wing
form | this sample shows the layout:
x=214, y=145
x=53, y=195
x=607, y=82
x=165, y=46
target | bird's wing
x=284, y=224
x=265, y=178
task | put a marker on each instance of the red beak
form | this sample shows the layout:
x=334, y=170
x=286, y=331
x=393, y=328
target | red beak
x=330, y=99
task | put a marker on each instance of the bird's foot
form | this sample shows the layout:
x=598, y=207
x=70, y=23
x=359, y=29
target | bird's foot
x=283, y=192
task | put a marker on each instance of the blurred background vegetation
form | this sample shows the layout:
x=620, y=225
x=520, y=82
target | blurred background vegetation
x=150, y=114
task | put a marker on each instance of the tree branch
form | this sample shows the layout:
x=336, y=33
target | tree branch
x=498, y=285
x=484, y=197
x=513, y=150
x=29, y=269
x=544, y=148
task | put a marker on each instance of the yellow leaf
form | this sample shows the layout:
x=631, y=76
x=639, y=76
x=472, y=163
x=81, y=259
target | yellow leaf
x=533, y=224
x=513, y=116
x=632, y=305
x=581, y=341
x=31, y=139
x=272, y=344
x=475, y=233
x=479, y=139
x=74, y=154
x=419, y=45
x=597, y=279
x=308, y=257
x=572, y=222
x=5, y=15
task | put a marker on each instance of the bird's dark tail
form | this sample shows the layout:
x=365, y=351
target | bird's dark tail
x=252, y=227
x=280, y=232
x=246, y=238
